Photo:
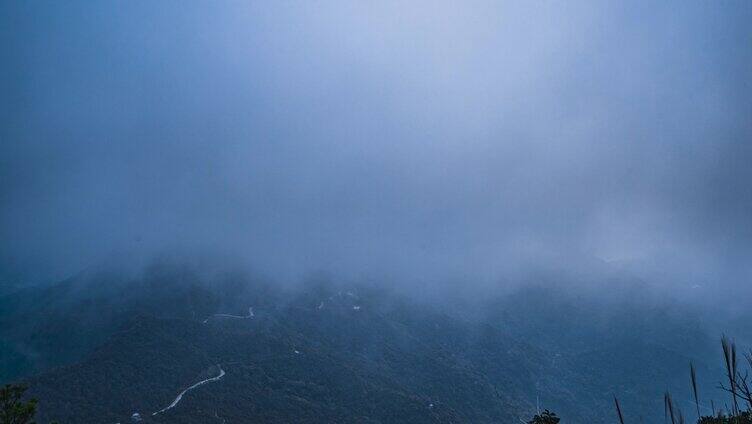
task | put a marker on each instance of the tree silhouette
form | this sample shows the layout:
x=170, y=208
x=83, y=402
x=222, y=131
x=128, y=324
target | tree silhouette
x=13, y=410
x=546, y=417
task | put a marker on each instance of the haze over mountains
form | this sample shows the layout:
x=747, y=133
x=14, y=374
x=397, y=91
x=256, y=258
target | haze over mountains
x=525, y=201
x=429, y=140
x=328, y=352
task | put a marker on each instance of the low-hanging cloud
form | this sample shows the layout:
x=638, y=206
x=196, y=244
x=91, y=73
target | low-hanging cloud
x=431, y=140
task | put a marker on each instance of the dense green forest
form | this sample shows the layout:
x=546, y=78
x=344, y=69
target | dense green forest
x=99, y=349
x=738, y=409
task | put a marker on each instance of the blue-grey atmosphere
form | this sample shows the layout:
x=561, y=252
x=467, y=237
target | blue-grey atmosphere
x=377, y=212
x=419, y=140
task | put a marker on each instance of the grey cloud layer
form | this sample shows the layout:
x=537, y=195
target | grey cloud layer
x=428, y=140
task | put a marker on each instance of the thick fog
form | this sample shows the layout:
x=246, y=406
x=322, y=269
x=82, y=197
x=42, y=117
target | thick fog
x=418, y=140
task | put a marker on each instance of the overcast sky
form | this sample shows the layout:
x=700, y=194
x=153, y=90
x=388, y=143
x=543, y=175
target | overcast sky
x=425, y=139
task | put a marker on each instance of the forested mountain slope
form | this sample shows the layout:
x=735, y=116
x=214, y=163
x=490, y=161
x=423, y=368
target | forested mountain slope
x=334, y=353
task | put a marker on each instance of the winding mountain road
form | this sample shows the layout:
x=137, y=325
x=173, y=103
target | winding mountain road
x=249, y=315
x=180, y=396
